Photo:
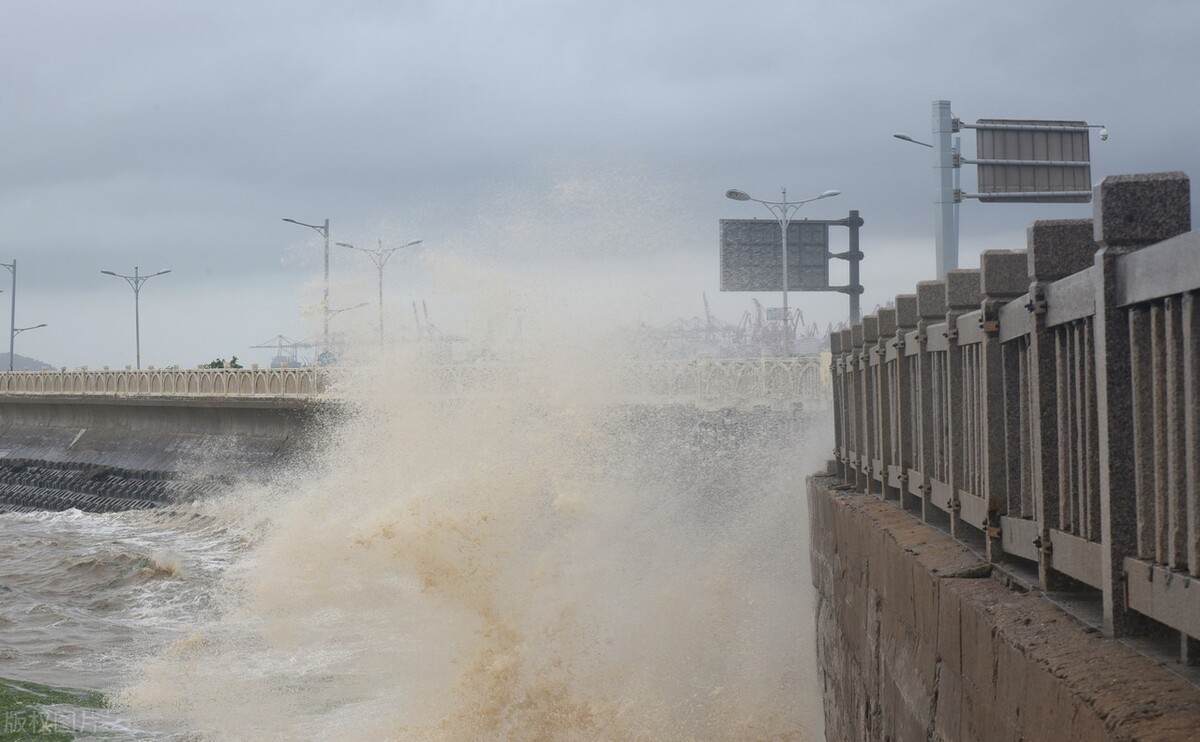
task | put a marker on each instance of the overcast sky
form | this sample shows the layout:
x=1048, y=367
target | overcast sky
x=587, y=143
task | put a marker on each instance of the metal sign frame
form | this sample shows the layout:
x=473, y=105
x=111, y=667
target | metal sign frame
x=750, y=255
x=754, y=265
x=1023, y=161
x=996, y=154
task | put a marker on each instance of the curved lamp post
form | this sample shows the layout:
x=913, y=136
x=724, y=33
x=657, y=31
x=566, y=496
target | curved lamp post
x=135, y=282
x=12, y=317
x=327, y=357
x=947, y=254
x=906, y=138
x=335, y=312
x=783, y=211
x=380, y=257
x=323, y=230
x=12, y=340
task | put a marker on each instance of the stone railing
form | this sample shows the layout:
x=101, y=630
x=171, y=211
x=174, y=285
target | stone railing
x=1046, y=407
x=171, y=382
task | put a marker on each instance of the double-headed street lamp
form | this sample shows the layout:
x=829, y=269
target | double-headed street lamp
x=323, y=230
x=783, y=211
x=380, y=256
x=135, y=282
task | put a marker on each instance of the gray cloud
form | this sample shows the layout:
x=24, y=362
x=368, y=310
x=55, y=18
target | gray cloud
x=177, y=135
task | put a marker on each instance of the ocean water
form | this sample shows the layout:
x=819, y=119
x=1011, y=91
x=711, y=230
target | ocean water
x=85, y=596
x=513, y=555
x=83, y=593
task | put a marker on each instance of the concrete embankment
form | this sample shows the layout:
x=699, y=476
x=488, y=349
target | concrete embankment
x=917, y=641
x=114, y=453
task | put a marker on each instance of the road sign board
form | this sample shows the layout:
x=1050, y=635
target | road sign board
x=1022, y=161
x=751, y=260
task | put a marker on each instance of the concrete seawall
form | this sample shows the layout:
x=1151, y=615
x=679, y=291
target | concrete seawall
x=109, y=453
x=917, y=641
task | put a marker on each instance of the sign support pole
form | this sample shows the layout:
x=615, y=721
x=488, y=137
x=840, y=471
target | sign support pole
x=946, y=226
x=856, y=256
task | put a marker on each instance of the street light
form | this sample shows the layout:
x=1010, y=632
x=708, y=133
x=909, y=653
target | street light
x=12, y=316
x=380, y=256
x=947, y=249
x=17, y=331
x=323, y=230
x=907, y=138
x=783, y=211
x=135, y=282
x=331, y=313
x=327, y=357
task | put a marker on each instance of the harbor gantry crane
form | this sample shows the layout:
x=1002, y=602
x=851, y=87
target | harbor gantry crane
x=285, y=351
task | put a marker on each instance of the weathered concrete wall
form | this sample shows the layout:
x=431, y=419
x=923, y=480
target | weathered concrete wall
x=167, y=434
x=98, y=452
x=917, y=642
x=255, y=416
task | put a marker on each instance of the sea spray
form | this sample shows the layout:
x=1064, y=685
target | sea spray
x=511, y=548
x=512, y=554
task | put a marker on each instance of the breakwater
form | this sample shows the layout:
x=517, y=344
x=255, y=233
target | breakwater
x=94, y=439
x=103, y=441
x=32, y=485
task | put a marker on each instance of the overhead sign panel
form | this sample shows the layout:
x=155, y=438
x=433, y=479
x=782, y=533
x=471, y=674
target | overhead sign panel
x=1033, y=161
x=751, y=259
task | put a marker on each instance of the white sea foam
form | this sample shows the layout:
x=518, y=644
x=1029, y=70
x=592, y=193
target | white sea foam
x=516, y=560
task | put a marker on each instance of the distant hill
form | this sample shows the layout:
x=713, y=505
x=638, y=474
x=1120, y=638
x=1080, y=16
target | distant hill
x=22, y=363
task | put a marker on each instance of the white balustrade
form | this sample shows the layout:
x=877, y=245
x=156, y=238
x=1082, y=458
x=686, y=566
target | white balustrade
x=168, y=382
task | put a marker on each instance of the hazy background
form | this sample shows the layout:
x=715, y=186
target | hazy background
x=584, y=142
